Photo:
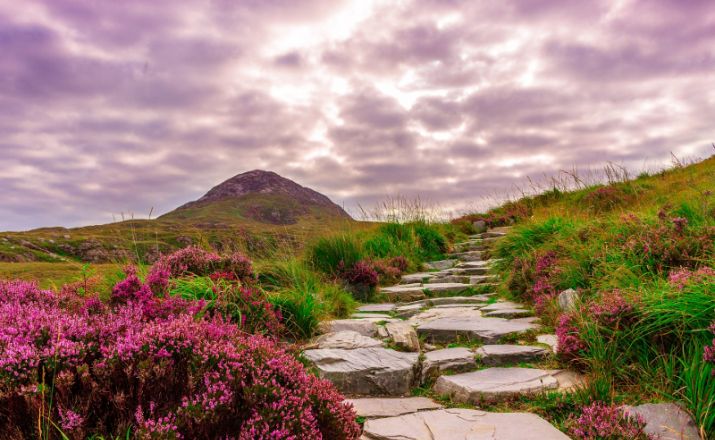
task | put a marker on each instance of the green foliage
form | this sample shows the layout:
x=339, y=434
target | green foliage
x=329, y=254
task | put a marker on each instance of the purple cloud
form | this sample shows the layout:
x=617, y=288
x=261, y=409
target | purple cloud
x=120, y=107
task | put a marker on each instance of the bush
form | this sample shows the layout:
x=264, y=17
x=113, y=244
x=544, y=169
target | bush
x=331, y=255
x=600, y=421
x=362, y=279
x=87, y=369
x=606, y=198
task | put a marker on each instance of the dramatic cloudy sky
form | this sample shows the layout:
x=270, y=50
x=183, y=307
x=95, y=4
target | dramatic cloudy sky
x=120, y=106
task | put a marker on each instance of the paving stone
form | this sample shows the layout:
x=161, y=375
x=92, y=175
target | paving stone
x=418, y=277
x=345, y=339
x=404, y=292
x=403, y=335
x=366, y=371
x=476, y=299
x=475, y=270
x=482, y=279
x=494, y=355
x=364, y=327
x=370, y=315
x=665, y=421
x=462, y=424
x=508, y=313
x=501, y=305
x=442, y=288
x=487, y=330
x=375, y=407
x=407, y=311
x=495, y=383
x=550, y=340
x=457, y=359
x=376, y=308
x=439, y=265
x=436, y=313
x=463, y=279
x=454, y=306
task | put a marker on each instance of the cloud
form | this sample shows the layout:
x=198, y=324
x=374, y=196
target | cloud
x=119, y=107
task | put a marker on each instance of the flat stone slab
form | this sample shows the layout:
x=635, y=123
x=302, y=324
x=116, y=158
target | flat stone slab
x=439, y=288
x=409, y=310
x=376, y=308
x=364, y=327
x=476, y=299
x=366, y=371
x=418, y=277
x=501, y=305
x=487, y=330
x=462, y=279
x=456, y=306
x=462, y=424
x=458, y=359
x=495, y=383
x=482, y=279
x=404, y=292
x=439, y=265
x=345, y=339
x=508, y=313
x=501, y=354
x=665, y=421
x=370, y=315
x=436, y=313
x=375, y=407
x=468, y=270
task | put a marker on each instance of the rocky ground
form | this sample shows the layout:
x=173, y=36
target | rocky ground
x=445, y=330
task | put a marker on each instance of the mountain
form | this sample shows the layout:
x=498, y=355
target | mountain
x=259, y=195
x=257, y=211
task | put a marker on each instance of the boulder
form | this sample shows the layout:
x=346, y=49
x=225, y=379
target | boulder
x=495, y=383
x=458, y=359
x=462, y=424
x=374, y=407
x=494, y=355
x=345, y=339
x=403, y=335
x=366, y=371
x=665, y=421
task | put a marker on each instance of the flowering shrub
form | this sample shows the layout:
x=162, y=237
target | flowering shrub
x=612, y=309
x=600, y=421
x=193, y=260
x=361, y=278
x=570, y=343
x=171, y=375
x=543, y=289
x=709, y=353
x=683, y=276
x=606, y=198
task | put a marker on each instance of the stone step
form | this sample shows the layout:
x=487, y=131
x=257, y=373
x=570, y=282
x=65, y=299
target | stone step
x=488, y=234
x=376, y=308
x=363, y=315
x=468, y=256
x=404, y=293
x=418, y=277
x=366, y=371
x=365, y=328
x=495, y=383
x=477, y=328
x=377, y=407
x=483, y=279
x=458, y=359
x=461, y=424
x=344, y=339
x=496, y=355
x=439, y=265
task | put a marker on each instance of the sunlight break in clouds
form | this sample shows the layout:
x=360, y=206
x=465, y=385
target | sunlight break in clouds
x=111, y=107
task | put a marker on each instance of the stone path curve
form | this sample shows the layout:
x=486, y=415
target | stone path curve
x=442, y=328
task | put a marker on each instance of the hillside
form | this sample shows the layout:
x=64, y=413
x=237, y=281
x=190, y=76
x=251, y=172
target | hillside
x=257, y=211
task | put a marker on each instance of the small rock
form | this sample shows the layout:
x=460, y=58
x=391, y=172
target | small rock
x=665, y=421
x=403, y=335
x=550, y=340
x=375, y=407
x=458, y=359
x=568, y=299
x=345, y=339
x=494, y=355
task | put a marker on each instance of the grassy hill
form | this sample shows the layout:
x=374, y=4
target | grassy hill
x=641, y=255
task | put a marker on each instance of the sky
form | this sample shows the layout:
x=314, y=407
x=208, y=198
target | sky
x=110, y=107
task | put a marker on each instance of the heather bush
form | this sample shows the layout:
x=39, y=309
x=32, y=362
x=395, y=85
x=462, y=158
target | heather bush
x=85, y=368
x=361, y=279
x=600, y=421
x=606, y=198
x=570, y=345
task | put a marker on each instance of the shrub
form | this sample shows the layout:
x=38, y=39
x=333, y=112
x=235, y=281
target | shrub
x=193, y=260
x=362, y=278
x=606, y=198
x=331, y=255
x=431, y=243
x=613, y=309
x=709, y=351
x=299, y=312
x=570, y=345
x=93, y=370
x=600, y=421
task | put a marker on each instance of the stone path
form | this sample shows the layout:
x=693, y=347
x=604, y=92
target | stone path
x=442, y=328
